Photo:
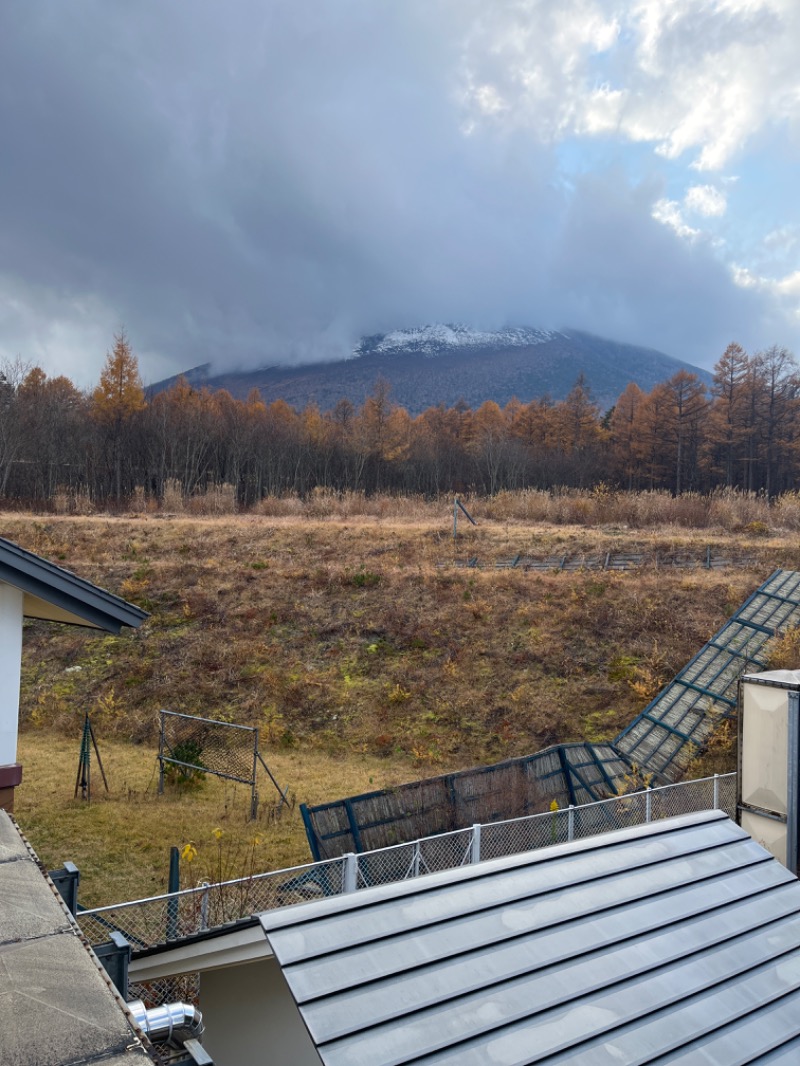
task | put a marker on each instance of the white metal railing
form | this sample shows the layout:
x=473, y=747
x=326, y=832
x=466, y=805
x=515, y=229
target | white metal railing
x=170, y=917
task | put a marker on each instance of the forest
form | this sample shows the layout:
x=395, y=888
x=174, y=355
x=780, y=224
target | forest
x=119, y=443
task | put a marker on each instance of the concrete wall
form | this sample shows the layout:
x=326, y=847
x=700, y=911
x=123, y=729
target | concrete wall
x=251, y=1018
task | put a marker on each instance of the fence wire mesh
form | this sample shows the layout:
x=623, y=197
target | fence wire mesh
x=207, y=746
x=164, y=919
x=184, y=988
x=173, y=916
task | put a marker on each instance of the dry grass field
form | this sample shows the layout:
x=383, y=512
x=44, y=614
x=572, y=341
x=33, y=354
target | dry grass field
x=363, y=654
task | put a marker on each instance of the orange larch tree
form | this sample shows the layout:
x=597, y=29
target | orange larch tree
x=116, y=402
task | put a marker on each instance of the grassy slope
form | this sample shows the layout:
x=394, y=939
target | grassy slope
x=363, y=659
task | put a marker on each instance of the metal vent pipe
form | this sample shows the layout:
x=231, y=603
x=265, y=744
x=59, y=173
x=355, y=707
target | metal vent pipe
x=172, y=1021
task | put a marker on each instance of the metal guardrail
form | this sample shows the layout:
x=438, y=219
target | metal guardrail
x=171, y=917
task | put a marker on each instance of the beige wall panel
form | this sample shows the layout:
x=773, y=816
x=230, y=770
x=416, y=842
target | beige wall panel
x=251, y=1018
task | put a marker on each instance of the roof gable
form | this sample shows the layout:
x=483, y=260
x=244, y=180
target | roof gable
x=55, y=594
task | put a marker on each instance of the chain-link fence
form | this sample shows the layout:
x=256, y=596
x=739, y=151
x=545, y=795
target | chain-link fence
x=172, y=917
x=202, y=745
x=189, y=745
x=706, y=559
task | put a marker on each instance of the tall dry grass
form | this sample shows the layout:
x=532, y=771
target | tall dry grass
x=723, y=510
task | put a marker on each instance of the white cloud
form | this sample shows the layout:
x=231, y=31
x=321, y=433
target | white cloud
x=702, y=200
x=706, y=200
x=696, y=78
x=789, y=286
x=63, y=334
x=489, y=100
x=785, y=240
x=670, y=214
x=785, y=291
x=535, y=55
x=602, y=110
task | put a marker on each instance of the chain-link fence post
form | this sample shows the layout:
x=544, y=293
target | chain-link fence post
x=254, y=789
x=204, y=904
x=350, y=872
x=161, y=756
x=475, y=851
x=415, y=861
x=571, y=823
x=174, y=885
x=716, y=792
x=648, y=805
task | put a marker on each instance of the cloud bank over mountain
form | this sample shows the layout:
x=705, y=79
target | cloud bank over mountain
x=261, y=181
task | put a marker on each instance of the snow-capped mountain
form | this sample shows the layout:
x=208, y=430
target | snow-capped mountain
x=446, y=364
x=437, y=339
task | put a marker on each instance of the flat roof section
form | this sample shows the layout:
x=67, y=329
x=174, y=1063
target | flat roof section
x=57, y=1006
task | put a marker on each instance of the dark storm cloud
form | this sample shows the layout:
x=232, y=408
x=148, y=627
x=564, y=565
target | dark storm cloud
x=614, y=263
x=254, y=181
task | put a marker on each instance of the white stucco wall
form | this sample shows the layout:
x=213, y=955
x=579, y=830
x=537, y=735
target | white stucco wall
x=251, y=1018
x=10, y=667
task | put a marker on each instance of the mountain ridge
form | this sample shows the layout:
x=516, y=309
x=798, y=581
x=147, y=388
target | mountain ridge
x=445, y=364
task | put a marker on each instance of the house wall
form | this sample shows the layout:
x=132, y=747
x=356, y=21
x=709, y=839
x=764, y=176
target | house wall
x=251, y=1018
x=10, y=666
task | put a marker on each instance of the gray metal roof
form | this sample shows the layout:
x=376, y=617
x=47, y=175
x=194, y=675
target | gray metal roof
x=56, y=1005
x=55, y=594
x=677, y=941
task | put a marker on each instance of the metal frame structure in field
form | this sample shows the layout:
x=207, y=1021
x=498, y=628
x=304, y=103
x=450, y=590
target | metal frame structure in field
x=575, y=774
x=660, y=743
x=204, y=745
x=616, y=561
x=675, y=726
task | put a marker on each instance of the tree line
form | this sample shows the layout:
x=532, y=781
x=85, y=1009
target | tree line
x=116, y=440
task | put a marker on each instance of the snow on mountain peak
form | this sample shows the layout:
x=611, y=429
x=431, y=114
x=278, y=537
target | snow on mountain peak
x=435, y=339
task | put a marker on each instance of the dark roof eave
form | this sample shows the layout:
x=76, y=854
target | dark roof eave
x=37, y=577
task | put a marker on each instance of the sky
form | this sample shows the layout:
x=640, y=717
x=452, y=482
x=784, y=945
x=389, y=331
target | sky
x=252, y=182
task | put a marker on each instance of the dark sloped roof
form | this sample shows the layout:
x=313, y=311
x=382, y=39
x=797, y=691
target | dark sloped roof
x=56, y=1005
x=677, y=941
x=58, y=595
